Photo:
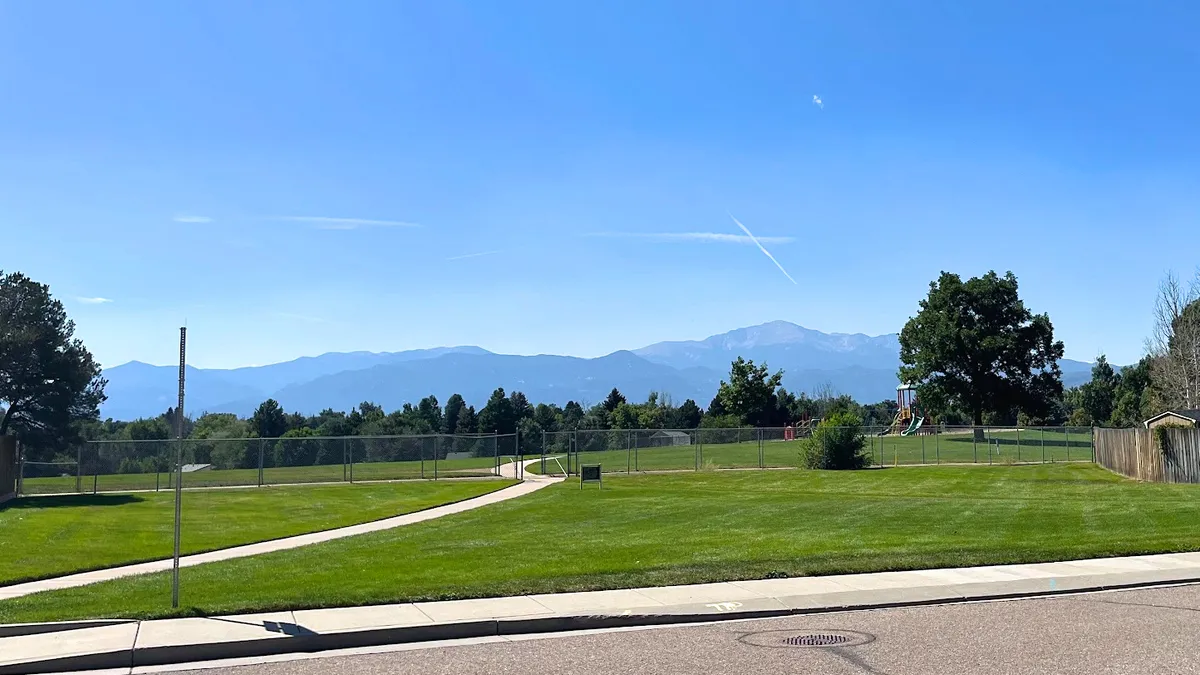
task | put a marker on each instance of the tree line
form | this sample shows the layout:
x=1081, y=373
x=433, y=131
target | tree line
x=750, y=397
x=975, y=352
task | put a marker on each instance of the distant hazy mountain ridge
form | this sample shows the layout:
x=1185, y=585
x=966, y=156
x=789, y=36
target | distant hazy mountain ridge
x=860, y=365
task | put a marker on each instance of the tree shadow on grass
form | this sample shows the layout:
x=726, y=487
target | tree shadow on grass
x=56, y=501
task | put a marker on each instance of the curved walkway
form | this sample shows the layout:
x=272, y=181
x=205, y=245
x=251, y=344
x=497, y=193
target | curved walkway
x=531, y=483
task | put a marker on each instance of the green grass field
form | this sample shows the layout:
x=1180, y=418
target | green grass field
x=288, y=475
x=999, y=447
x=49, y=536
x=685, y=528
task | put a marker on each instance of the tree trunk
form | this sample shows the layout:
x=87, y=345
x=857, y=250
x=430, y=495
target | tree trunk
x=978, y=430
x=7, y=417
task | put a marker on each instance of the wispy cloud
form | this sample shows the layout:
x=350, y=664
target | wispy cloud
x=705, y=237
x=185, y=218
x=818, y=102
x=330, y=223
x=758, y=242
x=93, y=301
x=473, y=255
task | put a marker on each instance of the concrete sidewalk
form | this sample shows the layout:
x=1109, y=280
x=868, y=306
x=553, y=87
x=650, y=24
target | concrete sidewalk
x=532, y=483
x=31, y=649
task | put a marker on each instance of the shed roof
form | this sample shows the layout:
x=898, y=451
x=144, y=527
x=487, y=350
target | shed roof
x=1193, y=415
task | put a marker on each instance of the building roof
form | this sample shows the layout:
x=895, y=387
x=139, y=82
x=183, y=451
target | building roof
x=1193, y=415
x=672, y=434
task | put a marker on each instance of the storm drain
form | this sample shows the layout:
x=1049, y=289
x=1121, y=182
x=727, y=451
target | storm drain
x=825, y=637
x=817, y=640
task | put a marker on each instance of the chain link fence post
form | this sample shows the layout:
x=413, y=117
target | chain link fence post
x=761, y=459
x=79, y=470
x=1018, y=444
x=937, y=444
x=262, y=453
x=825, y=445
x=1068, y=430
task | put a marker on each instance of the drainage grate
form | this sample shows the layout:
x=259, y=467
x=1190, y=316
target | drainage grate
x=817, y=640
x=819, y=637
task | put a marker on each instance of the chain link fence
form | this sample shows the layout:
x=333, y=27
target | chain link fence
x=642, y=450
x=119, y=466
x=122, y=466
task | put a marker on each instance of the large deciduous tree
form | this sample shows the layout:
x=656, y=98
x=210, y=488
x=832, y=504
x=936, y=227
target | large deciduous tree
x=975, y=345
x=1175, y=345
x=48, y=379
x=750, y=393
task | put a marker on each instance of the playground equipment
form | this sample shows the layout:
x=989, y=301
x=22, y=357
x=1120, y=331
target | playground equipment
x=805, y=426
x=909, y=418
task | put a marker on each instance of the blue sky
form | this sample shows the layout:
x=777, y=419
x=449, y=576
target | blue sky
x=293, y=177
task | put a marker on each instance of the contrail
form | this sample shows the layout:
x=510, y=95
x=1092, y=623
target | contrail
x=763, y=249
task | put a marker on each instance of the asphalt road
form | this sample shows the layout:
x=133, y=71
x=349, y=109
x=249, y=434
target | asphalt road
x=1128, y=632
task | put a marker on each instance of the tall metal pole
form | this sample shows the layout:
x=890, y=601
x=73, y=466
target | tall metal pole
x=178, y=467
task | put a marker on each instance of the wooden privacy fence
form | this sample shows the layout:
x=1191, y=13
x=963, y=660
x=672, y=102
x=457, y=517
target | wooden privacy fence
x=1135, y=453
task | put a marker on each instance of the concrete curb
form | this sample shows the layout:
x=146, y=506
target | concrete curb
x=300, y=642
x=17, y=629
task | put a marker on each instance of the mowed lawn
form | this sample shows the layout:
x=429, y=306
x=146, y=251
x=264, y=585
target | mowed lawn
x=956, y=447
x=660, y=529
x=50, y=536
x=283, y=475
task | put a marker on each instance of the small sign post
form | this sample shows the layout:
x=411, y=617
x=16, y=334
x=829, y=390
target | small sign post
x=590, y=473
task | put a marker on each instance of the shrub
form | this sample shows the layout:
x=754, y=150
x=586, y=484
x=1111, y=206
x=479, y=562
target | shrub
x=836, y=443
x=1163, y=439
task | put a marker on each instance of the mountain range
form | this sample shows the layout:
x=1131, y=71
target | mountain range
x=860, y=365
